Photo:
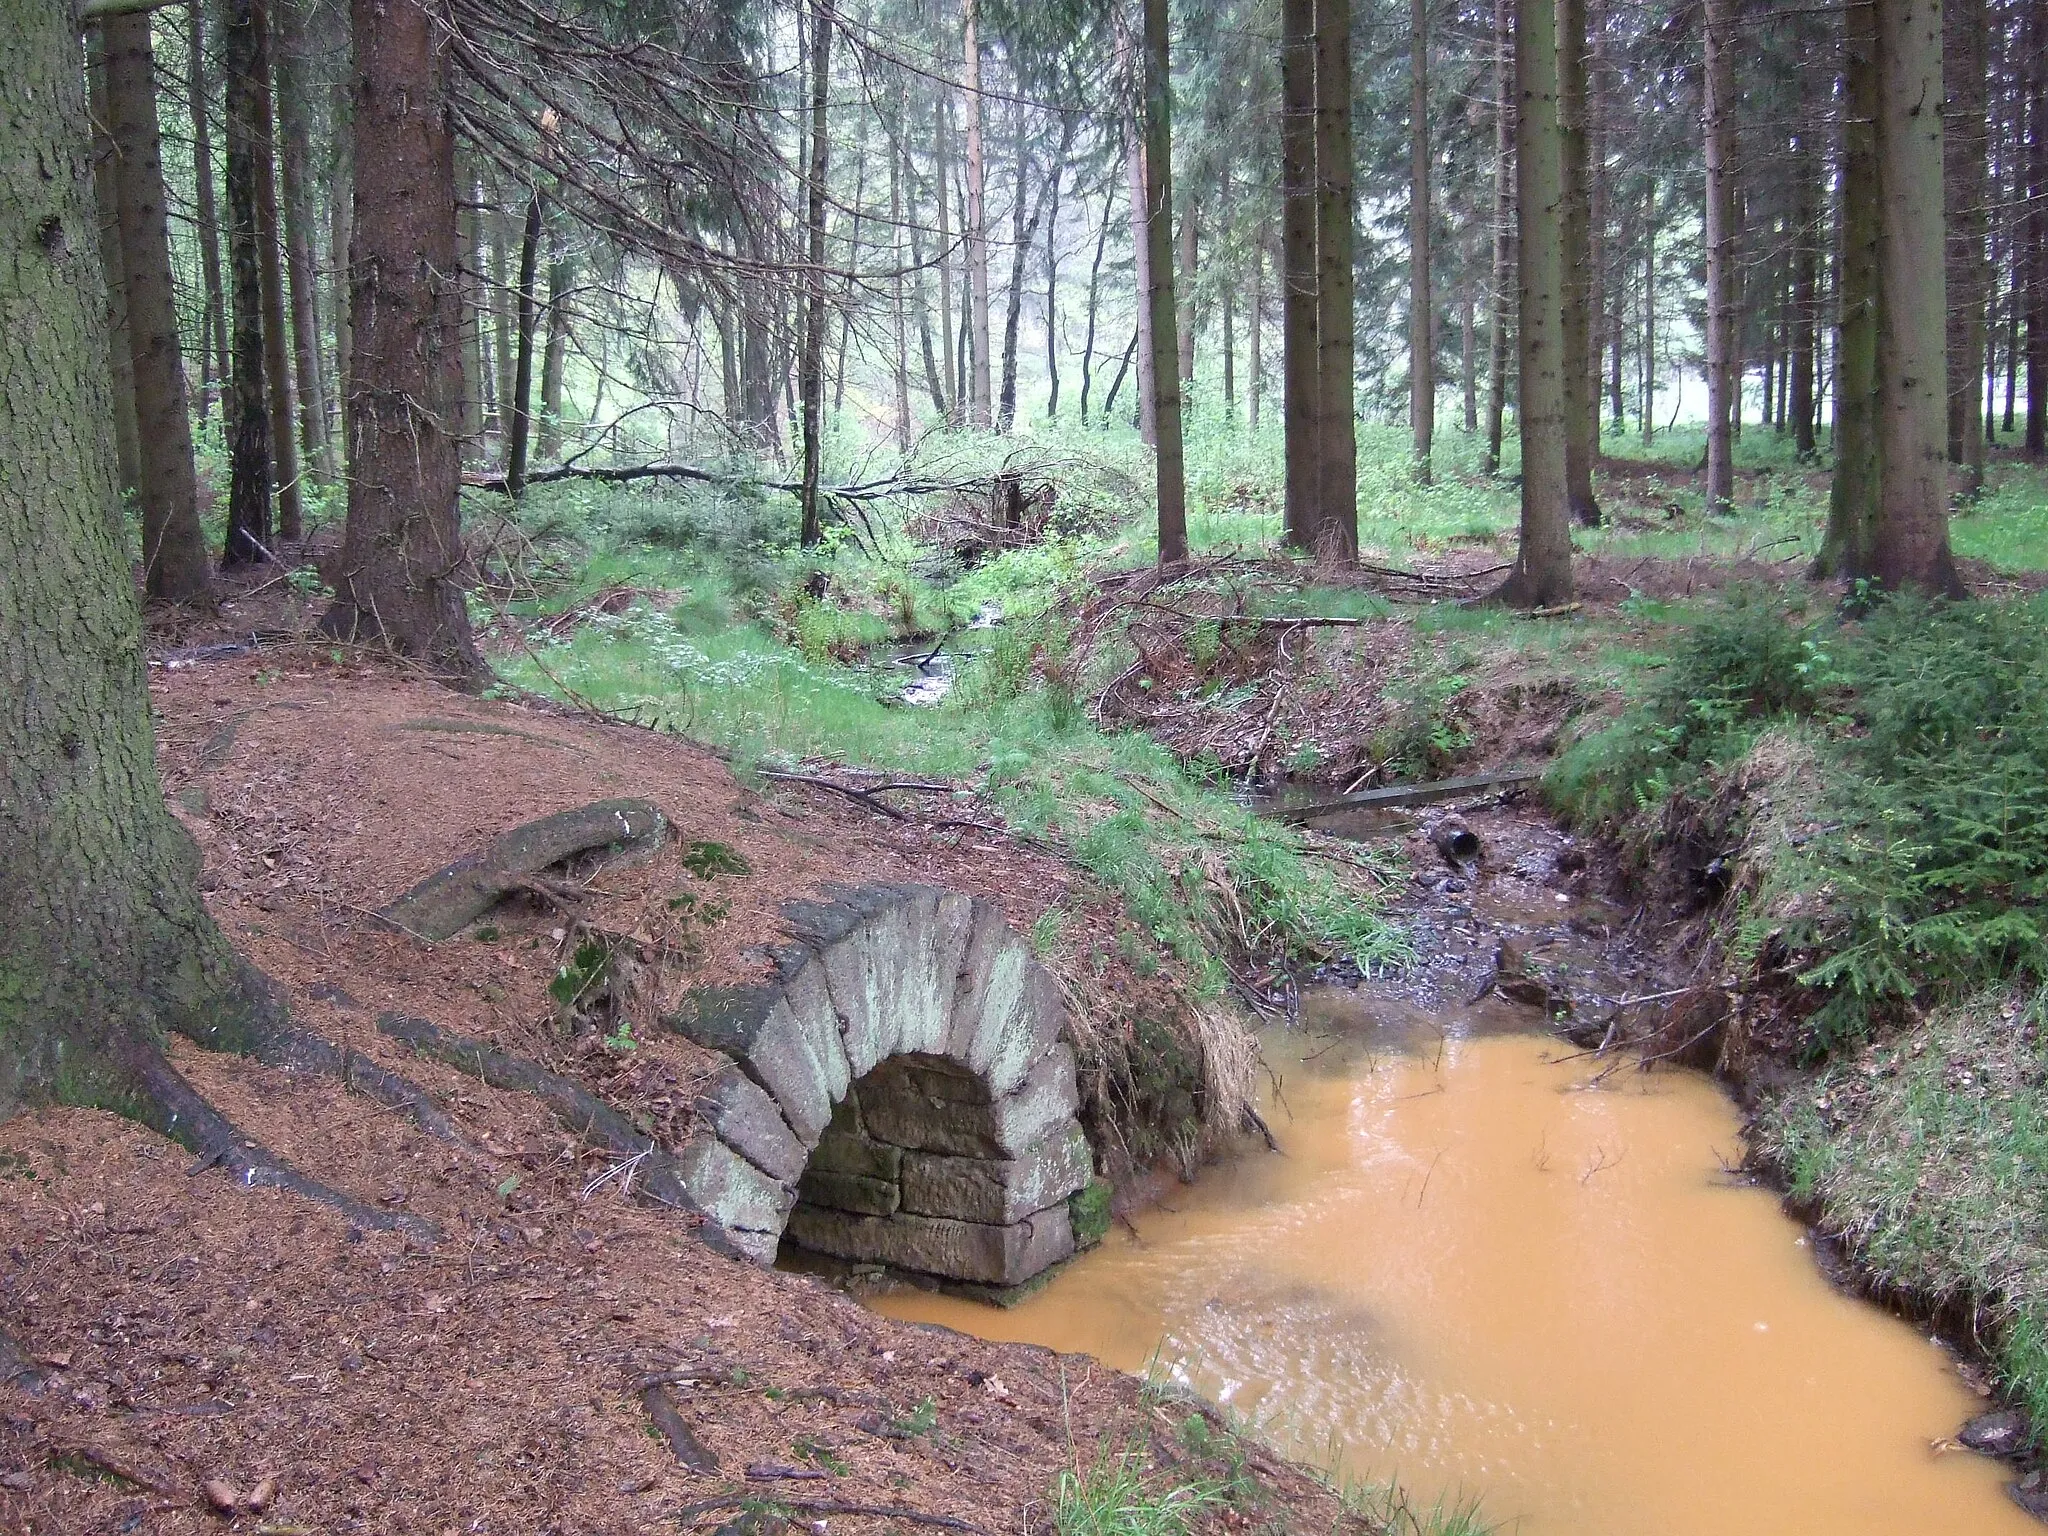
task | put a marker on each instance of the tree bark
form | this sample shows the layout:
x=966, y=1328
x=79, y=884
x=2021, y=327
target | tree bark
x=294, y=108
x=249, y=504
x=811, y=364
x=1421, y=344
x=1650, y=315
x=341, y=209
x=1300, y=378
x=1806, y=170
x=948, y=400
x=2036, y=221
x=980, y=404
x=1255, y=337
x=1581, y=392
x=1542, y=575
x=277, y=370
x=1912, y=530
x=1170, y=483
x=1503, y=229
x=898, y=317
x=120, y=350
x=399, y=576
x=519, y=410
x=1094, y=300
x=173, y=547
x=105, y=944
x=1052, y=296
x=1849, y=547
x=1336, y=532
x=1965, y=144
x=1141, y=249
x=555, y=355
x=1468, y=341
x=213, y=328
x=1719, y=132
x=1184, y=293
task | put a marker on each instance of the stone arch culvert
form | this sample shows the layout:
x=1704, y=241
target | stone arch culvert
x=899, y=1093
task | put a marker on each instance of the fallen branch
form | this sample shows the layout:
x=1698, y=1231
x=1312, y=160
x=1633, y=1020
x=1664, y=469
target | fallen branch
x=1407, y=794
x=690, y=1453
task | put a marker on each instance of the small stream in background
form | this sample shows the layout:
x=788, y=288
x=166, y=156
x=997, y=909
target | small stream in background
x=1485, y=1270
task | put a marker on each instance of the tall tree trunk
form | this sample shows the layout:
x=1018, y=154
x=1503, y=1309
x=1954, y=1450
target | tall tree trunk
x=120, y=350
x=898, y=317
x=469, y=411
x=1806, y=168
x=277, y=349
x=105, y=943
x=1094, y=298
x=811, y=363
x=1965, y=136
x=948, y=402
x=249, y=504
x=1421, y=343
x=1912, y=529
x=1468, y=342
x=1052, y=296
x=1336, y=533
x=1255, y=337
x=519, y=412
x=1542, y=575
x=213, y=331
x=504, y=303
x=1503, y=229
x=2036, y=31
x=1141, y=250
x=173, y=547
x=980, y=403
x=1650, y=316
x=1581, y=392
x=1184, y=293
x=1300, y=379
x=294, y=112
x=399, y=576
x=341, y=212
x=1719, y=132
x=1849, y=547
x=1171, y=487
x=555, y=355
x=853, y=249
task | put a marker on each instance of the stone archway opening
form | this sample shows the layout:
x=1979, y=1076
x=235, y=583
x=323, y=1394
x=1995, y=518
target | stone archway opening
x=900, y=1094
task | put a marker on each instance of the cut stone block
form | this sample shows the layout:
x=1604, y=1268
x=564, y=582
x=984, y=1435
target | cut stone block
x=731, y=1190
x=998, y=1190
x=959, y=1250
x=747, y=1120
x=755, y=1026
x=849, y=1192
x=1006, y=1128
x=837, y=1153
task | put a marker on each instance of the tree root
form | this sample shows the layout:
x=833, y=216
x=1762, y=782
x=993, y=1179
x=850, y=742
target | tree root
x=574, y=1107
x=447, y=901
x=302, y=1050
x=172, y=1106
x=830, y=1507
x=690, y=1452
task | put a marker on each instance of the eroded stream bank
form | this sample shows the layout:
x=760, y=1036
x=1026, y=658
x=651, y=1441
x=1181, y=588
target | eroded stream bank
x=1494, y=1272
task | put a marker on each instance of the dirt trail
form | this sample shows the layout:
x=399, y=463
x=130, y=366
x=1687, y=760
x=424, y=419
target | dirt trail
x=190, y=1334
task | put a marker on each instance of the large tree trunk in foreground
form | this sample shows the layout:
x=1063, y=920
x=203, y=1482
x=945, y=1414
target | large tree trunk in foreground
x=173, y=546
x=248, y=422
x=104, y=943
x=1170, y=481
x=1542, y=576
x=1718, y=122
x=1849, y=546
x=1336, y=530
x=1912, y=374
x=1299, y=378
x=399, y=574
x=1421, y=345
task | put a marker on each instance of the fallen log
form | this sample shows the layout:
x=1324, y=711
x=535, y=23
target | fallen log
x=448, y=900
x=1408, y=794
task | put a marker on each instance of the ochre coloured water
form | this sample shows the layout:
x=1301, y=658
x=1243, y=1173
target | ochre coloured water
x=1477, y=1271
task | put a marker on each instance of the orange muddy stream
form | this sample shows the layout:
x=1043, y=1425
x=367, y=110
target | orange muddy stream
x=1475, y=1272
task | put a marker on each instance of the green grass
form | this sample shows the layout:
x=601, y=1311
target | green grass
x=1115, y=1496
x=1924, y=1154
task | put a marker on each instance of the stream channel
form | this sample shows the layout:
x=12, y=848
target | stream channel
x=1487, y=1268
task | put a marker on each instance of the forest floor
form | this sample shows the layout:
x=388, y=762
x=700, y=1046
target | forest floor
x=216, y=1358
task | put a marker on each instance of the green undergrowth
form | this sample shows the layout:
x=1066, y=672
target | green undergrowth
x=1923, y=1153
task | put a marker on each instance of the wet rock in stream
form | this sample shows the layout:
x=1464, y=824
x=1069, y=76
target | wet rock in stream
x=2002, y=1433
